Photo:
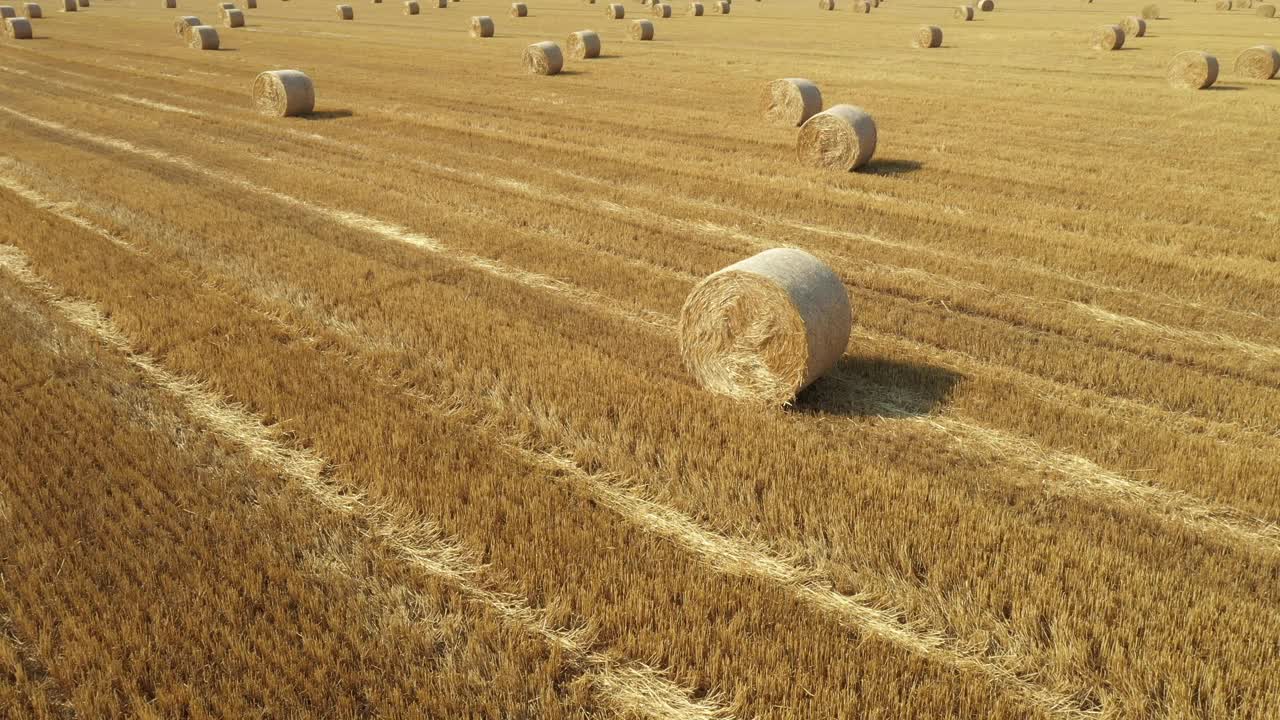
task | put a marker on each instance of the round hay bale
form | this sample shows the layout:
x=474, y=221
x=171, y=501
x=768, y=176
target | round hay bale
x=826, y=4
x=284, y=93
x=615, y=11
x=202, y=37
x=964, y=12
x=184, y=24
x=411, y=7
x=1260, y=62
x=987, y=5
x=7, y=11
x=442, y=4
x=1193, y=70
x=695, y=9
x=862, y=6
x=764, y=328
x=1265, y=10
x=32, y=11
x=233, y=18
x=790, y=101
x=928, y=36
x=1223, y=5
x=543, y=58
x=226, y=6
x=70, y=6
x=1108, y=37
x=583, y=44
x=253, y=4
x=519, y=10
x=842, y=138
x=345, y=12
x=1151, y=12
x=874, y=3
x=722, y=7
x=662, y=10
x=481, y=26
x=642, y=30
x=17, y=28
x=1134, y=26
x=170, y=4
x=83, y=3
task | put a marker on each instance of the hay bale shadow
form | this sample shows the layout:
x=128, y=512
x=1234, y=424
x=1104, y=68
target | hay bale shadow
x=861, y=386
x=328, y=115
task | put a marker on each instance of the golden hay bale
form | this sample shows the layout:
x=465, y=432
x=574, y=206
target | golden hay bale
x=722, y=7
x=874, y=3
x=411, y=7
x=543, y=58
x=790, y=101
x=826, y=4
x=226, y=6
x=1265, y=10
x=862, y=6
x=284, y=93
x=1223, y=5
x=1108, y=37
x=519, y=10
x=7, y=11
x=1193, y=70
x=964, y=12
x=202, y=37
x=32, y=11
x=842, y=138
x=987, y=5
x=662, y=10
x=615, y=11
x=170, y=4
x=1151, y=12
x=345, y=12
x=583, y=44
x=642, y=29
x=17, y=28
x=442, y=4
x=70, y=6
x=481, y=26
x=253, y=4
x=695, y=9
x=184, y=24
x=1260, y=62
x=1134, y=26
x=233, y=18
x=84, y=3
x=764, y=328
x=928, y=36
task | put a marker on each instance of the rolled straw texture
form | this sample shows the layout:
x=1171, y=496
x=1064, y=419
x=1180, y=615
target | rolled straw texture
x=583, y=44
x=284, y=93
x=32, y=11
x=1260, y=62
x=345, y=12
x=1193, y=70
x=481, y=26
x=842, y=138
x=928, y=36
x=1108, y=37
x=964, y=12
x=1134, y=26
x=695, y=9
x=642, y=30
x=17, y=28
x=202, y=37
x=543, y=58
x=519, y=10
x=789, y=102
x=233, y=18
x=615, y=11
x=411, y=7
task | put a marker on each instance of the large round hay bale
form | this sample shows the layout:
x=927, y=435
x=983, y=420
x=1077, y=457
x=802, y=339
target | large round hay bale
x=233, y=18
x=1134, y=26
x=964, y=12
x=615, y=11
x=790, y=101
x=764, y=328
x=411, y=7
x=345, y=12
x=987, y=5
x=662, y=10
x=1260, y=62
x=1265, y=10
x=202, y=37
x=183, y=25
x=642, y=29
x=826, y=4
x=1193, y=70
x=519, y=9
x=583, y=44
x=1151, y=12
x=481, y=26
x=70, y=6
x=543, y=58
x=842, y=138
x=722, y=7
x=17, y=28
x=928, y=36
x=32, y=11
x=284, y=93
x=695, y=9
x=7, y=11
x=1108, y=37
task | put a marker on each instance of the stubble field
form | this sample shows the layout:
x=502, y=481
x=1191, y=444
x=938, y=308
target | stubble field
x=381, y=412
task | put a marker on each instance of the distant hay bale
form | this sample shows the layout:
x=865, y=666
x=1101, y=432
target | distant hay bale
x=32, y=11
x=1260, y=62
x=543, y=58
x=695, y=9
x=1265, y=10
x=481, y=26
x=233, y=18
x=84, y=3
x=253, y=4
x=202, y=37
x=964, y=12
x=411, y=7
x=861, y=6
x=183, y=25
x=1223, y=5
x=789, y=102
x=442, y=4
x=1151, y=12
x=1108, y=37
x=615, y=11
x=722, y=7
x=826, y=4
x=842, y=138
x=17, y=28
x=345, y=12
x=987, y=5
x=642, y=30
x=1193, y=70
x=519, y=10
x=874, y=3
x=764, y=328
x=1134, y=26
x=583, y=44
x=662, y=10
x=170, y=4
x=70, y=6
x=7, y=11
x=226, y=6
x=284, y=93
x=928, y=36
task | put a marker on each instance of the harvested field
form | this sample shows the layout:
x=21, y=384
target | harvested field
x=380, y=410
